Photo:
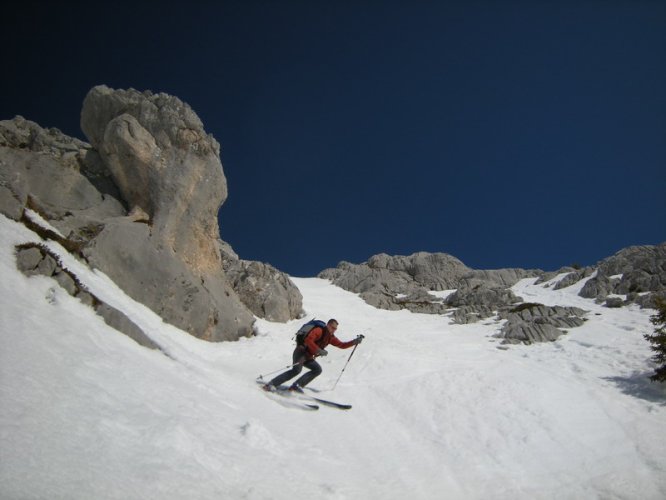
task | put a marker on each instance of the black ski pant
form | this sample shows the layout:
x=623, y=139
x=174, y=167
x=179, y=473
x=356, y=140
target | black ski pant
x=300, y=360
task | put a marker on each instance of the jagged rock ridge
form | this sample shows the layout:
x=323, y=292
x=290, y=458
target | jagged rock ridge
x=635, y=274
x=405, y=282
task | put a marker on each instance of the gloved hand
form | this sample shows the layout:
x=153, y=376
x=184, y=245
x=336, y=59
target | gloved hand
x=359, y=339
x=322, y=352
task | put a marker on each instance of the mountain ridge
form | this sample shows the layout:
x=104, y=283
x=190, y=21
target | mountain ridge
x=140, y=203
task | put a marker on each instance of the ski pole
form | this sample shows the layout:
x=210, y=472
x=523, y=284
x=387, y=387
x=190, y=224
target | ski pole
x=344, y=367
x=261, y=377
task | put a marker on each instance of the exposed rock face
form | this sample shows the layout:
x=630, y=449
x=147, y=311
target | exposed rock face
x=632, y=271
x=480, y=301
x=140, y=203
x=420, y=301
x=35, y=259
x=150, y=272
x=165, y=166
x=168, y=171
x=483, y=294
x=60, y=174
x=267, y=292
x=530, y=323
x=387, y=282
x=404, y=282
x=498, y=278
x=573, y=277
x=434, y=271
x=637, y=273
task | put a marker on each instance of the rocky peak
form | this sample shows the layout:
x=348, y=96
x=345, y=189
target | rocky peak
x=164, y=164
x=635, y=274
x=140, y=203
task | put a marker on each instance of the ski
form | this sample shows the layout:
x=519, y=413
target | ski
x=326, y=402
x=302, y=396
x=331, y=403
x=286, y=399
x=288, y=402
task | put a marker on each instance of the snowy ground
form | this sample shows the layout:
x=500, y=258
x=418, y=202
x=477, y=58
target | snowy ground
x=439, y=411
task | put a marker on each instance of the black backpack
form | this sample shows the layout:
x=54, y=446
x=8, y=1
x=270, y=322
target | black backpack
x=305, y=329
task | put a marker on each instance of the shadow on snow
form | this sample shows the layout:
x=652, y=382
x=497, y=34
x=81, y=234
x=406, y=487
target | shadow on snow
x=640, y=386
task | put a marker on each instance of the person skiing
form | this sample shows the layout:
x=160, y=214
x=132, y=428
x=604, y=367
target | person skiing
x=314, y=345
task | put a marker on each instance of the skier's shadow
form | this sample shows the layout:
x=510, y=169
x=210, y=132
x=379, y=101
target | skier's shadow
x=640, y=386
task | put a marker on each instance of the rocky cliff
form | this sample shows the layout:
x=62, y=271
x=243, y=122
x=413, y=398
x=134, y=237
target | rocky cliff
x=441, y=284
x=634, y=274
x=405, y=282
x=140, y=203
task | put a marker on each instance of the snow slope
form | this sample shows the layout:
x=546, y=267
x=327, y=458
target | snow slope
x=439, y=411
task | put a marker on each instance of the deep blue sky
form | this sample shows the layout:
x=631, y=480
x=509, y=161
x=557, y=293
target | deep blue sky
x=509, y=134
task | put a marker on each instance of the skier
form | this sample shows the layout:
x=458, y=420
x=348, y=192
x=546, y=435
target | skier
x=313, y=345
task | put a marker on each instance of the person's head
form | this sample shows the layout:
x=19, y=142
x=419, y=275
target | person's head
x=332, y=325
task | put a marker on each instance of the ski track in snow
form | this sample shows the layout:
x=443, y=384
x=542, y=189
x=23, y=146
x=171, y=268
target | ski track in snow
x=439, y=411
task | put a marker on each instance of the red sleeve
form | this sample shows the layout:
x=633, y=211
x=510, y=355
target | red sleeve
x=342, y=345
x=312, y=338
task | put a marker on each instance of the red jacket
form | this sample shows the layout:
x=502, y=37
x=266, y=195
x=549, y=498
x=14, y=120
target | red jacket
x=319, y=338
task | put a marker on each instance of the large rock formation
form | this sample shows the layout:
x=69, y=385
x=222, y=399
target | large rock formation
x=386, y=281
x=635, y=274
x=479, y=301
x=165, y=166
x=530, y=323
x=140, y=203
x=405, y=282
x=34, y=259
x=267, y=292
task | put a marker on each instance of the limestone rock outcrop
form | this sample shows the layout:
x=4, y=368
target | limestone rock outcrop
x=38, y=260
x=633, y=275
x=387, y=281
x=635, y=272
x=165, y=166
x=266, y=291
x=140, y=203
x=406, y=282
x=531, y=323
